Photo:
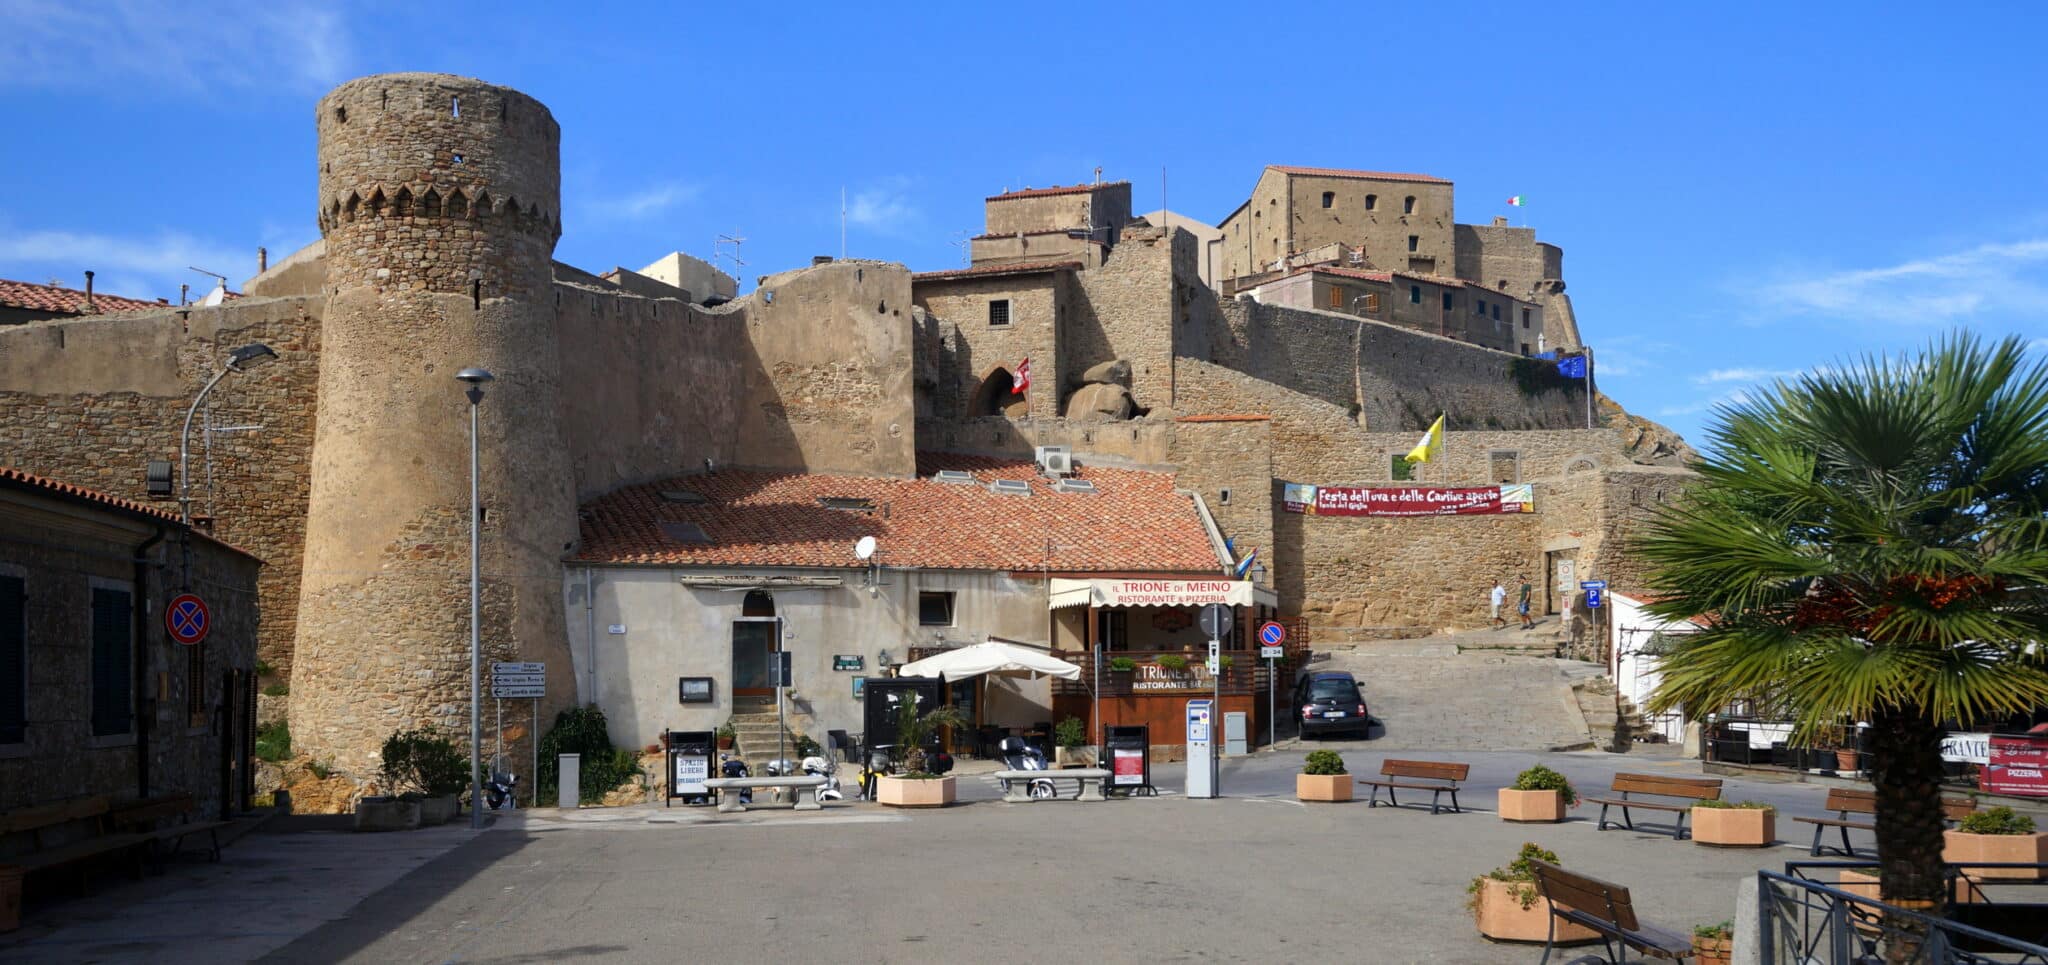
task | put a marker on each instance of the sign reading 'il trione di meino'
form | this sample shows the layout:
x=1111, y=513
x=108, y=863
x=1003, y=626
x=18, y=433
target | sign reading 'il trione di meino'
x=1407, y=500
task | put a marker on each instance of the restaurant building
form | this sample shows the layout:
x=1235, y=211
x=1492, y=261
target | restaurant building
x=685, y=594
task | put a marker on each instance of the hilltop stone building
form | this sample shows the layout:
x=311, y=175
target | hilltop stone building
x=438, y=200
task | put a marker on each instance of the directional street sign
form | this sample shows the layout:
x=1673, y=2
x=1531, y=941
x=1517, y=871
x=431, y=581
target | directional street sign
x=521, y=679
x=530, y=666
x=522, y=691
x=187, y=619
x=1595, y=589
x=518, y=679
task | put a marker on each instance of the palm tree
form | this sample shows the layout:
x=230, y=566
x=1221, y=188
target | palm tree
x=1869, y=544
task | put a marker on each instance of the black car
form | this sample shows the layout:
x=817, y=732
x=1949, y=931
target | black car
x=1331, y=701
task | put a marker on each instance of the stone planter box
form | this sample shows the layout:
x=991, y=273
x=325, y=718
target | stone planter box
x=1734, y=827
x=1712, y=951
x=1962, y=847
x=1323, y=787
x=1083, y=756
x=10, y=896
x=1532, y=807
x=440, y=810
x=903, y=792
x=387, y=814
x=1502, y=918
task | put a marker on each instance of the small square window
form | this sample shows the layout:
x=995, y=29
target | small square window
x=1450, y=301
x=1414, y=242
x=1372, y=201
x=1414, y=294
x=1329, y=198
x=1479, y=306
x=1525, y=318
x=935, y=609
x=1408, y=207
x=999, y=312
x=1496, y=313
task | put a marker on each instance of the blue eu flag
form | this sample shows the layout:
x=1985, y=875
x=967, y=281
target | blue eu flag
x=1573, y=367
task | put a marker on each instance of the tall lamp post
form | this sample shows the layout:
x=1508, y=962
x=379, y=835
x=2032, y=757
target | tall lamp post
x=475, y=378
x=240, y=360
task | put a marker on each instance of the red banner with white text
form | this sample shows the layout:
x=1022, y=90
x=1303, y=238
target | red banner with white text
x=1408, y=500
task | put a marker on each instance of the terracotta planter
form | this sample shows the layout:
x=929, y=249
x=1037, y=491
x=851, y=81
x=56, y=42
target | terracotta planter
x=1865, y=886
x=1712, y=951
x=903, y=792
x=1323, y=787
x=1845, y=760
x=1501, y=917
x=10, y=896
x=1962, y=847
x=1083, y=756
x=725, y=743
x=1734, y=827
x=1531, y=807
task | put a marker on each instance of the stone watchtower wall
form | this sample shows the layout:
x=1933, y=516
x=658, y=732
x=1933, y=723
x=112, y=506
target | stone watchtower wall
x=440, y=206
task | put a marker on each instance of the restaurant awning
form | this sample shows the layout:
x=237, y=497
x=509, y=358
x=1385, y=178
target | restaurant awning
x=1130, y=593
x=992, y=657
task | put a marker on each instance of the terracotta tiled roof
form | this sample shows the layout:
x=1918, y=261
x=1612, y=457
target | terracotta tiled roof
x=52, y=298
x=1226, y=417
x=988, y=271
x=1385, y=276
x=1134, y=523
x=27, y=480
x=1048, y=192
x=1361, y=175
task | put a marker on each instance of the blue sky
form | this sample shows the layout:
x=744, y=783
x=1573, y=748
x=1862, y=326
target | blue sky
x=1741, y=190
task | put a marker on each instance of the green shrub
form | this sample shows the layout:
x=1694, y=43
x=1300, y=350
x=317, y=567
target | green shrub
x=1324, y=762
x=264, y=669
x=1541, y=778
x=320, y=769
x=1998, y=820
x=727, y=730
x=805, y=747
x=274, y=742
x=1735, y=805
x=582, y=730
x=277, y=690
x=1122, y=664
x=1519, y=874
x=1070, y=733
x=1225, y=662
x=1174, y=662
x=1725, y=929
x=424, y=761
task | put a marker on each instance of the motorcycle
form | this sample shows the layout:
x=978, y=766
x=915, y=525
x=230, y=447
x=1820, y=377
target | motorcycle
x=828, y=769
x=499, y=791
x=730, y=766
x=1020, y=756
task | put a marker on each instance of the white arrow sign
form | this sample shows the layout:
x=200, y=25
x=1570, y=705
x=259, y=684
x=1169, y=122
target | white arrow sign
x=518, y=680
x=534, y=690
x=530, y=666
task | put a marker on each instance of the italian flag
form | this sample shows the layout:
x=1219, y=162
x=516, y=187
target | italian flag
x=1515, y=202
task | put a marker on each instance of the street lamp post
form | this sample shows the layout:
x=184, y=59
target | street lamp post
x=240, y=360
x=475, y=378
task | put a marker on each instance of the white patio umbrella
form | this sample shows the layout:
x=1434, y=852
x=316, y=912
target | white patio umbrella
x=992, y=657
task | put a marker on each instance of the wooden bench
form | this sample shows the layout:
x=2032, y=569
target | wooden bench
x=1088, y=782
x=805, y=785
x=1442, y=777
x=1846, y=801
x=1605, y=908
x=143, y=817
x=73, y=832
x=1687, y=790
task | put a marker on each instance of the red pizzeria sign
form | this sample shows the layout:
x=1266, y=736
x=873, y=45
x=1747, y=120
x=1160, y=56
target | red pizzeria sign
x=2018, y=765
x=1408, y=500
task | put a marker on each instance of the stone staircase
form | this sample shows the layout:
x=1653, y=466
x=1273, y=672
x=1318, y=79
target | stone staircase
x=1478, y=690
x=754, y=739
x=1615, y=722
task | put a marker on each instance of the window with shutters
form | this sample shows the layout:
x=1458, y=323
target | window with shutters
x=1336, y=298
x=113, y=655
x=13, y=660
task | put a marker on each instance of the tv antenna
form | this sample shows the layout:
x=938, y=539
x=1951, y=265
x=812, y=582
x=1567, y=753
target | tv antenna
x=962, y=241
x=718, y=253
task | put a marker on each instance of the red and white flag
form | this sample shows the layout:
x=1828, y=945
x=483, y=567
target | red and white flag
x=1022, y=380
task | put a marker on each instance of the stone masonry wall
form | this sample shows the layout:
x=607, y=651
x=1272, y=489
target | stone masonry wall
x=91, y=401
x=969, y=349
x=1127, y=310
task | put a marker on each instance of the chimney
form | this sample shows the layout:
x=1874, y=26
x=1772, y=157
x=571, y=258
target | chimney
x=262, y=260
x=184, y=294
x=88, y=293
x=1500, y=221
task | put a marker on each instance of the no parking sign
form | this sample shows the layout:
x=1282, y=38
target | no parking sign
x=187, y=619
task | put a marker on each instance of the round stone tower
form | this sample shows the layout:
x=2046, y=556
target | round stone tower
x=440, y=206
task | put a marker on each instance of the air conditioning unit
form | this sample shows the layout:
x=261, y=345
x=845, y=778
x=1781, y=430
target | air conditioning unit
x=1055, y=460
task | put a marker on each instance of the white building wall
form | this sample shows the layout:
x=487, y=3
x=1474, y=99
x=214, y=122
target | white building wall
x=672, y=630
x=1636, y=674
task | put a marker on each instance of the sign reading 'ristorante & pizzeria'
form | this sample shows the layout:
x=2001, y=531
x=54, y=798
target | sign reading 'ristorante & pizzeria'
x=1407, y=500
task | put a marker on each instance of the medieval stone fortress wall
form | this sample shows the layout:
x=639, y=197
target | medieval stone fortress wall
x=439, y=205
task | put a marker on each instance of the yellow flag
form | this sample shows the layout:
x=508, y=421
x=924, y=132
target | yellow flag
x=1431, y=446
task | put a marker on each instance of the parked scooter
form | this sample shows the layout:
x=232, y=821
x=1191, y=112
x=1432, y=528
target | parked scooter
x=874, y=764
x=730, y=766
x=499, y=791
x=1020, y=756
x=828, y=769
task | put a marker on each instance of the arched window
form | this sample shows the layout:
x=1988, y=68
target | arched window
x=1408, y=205
x=757, y=604
x=1372, y=201
x=1329, y=198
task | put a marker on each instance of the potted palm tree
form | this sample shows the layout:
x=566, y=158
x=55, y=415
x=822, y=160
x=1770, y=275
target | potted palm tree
x=1997, y=835
x=1852, y=526
x=1734, y=824
x=1323, y=778
x=1539, y=795
x=916, y=787
x=1506, y=907
x=1713, y=944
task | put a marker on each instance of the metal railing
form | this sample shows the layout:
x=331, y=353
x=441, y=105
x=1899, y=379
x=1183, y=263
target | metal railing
x=1803, y=921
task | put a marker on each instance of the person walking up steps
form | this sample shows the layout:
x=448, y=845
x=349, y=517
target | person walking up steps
x=1522, y=606
x=1498, y=596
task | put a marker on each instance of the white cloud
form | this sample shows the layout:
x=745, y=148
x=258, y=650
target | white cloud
x=151, y=267
x=138, y=45
x=644, y=203
x=1743, y=375
x=885, y=209
x=1995, y=281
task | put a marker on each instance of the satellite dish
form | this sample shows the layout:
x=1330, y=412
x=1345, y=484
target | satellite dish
x=864, y=548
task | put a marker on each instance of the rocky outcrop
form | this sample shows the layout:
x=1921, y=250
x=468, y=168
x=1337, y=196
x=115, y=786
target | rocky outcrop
x=1647, y=443
x=1105, y=395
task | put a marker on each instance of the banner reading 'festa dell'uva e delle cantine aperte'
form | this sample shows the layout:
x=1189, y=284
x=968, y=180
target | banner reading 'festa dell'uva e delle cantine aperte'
x=1407, y=500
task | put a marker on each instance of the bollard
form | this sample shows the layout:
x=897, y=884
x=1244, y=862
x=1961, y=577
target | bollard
x=569, y=777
